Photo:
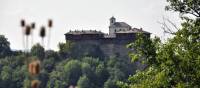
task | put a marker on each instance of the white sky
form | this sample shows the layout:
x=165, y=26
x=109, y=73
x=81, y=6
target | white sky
x=79, y=14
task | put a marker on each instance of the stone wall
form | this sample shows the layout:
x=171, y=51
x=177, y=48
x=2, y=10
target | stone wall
x=110, y=47
x=115, y=46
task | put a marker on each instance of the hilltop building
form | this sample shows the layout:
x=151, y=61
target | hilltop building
x=112, y=44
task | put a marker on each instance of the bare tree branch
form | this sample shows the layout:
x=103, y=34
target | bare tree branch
x=173, y=24
x=166, y=27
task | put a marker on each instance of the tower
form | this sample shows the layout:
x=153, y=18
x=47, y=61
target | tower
x=112, y=20
x=111, y=29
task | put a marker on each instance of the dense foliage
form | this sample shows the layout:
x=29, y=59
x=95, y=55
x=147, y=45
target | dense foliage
x=191, y=7
x=174, y=63
x=4, y=47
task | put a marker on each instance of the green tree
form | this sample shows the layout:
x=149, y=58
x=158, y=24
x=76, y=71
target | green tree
x=56, y=80
x=65, y=49
x=55, y=83
x=43, y=77
x=26, y=83
x=88, y=71
x=84, y=82
x=93, y=62
x=6, y=77
x=12, y=72
x=174, y=63
x=185, y=6
x=4, y=47
x=38, y=50
x=102, y=75
x=48, y=64
x=6, y=73
x=52, y=54
x=110, y=84
x=72, y=72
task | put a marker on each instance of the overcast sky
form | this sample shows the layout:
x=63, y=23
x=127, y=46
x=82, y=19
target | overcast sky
x=79, y=14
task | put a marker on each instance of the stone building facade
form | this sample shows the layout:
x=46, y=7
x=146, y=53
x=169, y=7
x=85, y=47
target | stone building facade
x=112, y=44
